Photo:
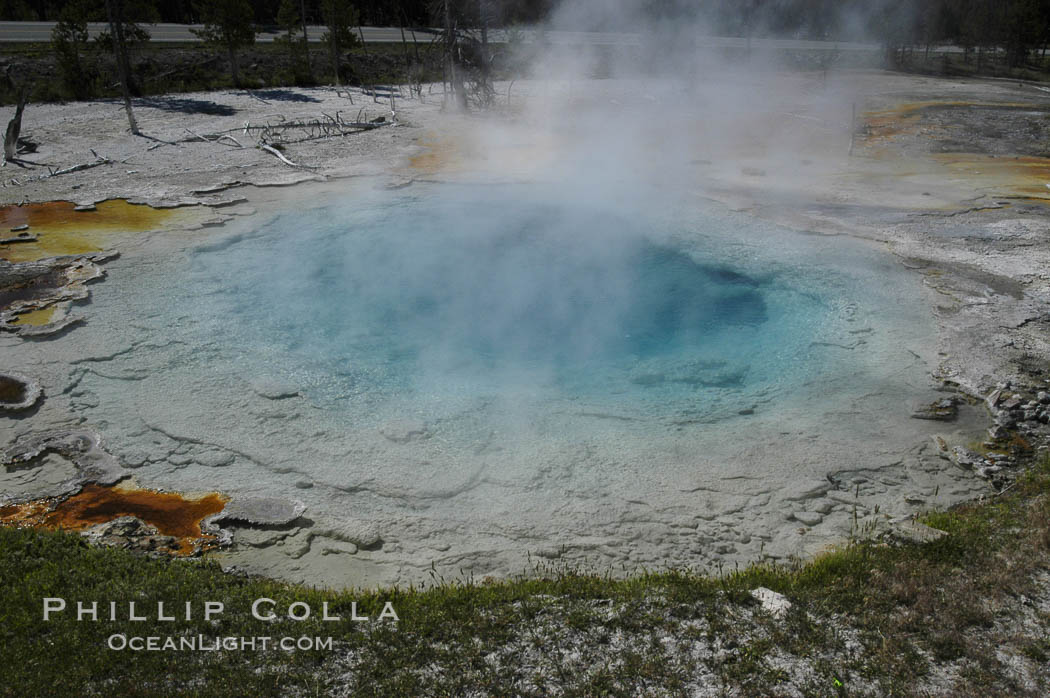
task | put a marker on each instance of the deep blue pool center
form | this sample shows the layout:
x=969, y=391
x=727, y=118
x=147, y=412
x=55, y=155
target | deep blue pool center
x=484, y=286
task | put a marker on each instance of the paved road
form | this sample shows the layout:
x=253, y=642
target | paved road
x=41, y=31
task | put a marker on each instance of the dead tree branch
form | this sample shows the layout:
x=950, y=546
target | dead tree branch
x=300, y=131
x=99, y=160
x=210, y=138
x=280, y=156
x=14, y=126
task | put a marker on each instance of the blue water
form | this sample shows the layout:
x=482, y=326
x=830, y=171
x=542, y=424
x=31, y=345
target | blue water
x=472, y=370
x=503, y=286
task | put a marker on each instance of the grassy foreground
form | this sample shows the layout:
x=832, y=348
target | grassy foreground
x=965, y=615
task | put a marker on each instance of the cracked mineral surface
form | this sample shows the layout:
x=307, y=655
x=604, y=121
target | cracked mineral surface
x=947, y=222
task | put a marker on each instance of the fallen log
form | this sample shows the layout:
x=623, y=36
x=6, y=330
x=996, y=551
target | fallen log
x=210, y=138
x=77, y=168
x=280, y=156
x=364, y=125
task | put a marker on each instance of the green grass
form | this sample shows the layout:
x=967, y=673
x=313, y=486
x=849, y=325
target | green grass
x=557, y=630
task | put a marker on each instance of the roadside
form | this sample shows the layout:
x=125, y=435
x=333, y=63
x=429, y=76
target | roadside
x=192, y=67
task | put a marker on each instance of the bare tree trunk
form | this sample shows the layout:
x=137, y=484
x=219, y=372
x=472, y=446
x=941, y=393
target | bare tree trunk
x=115, y=12
x=487, y=91
x=455, y=81
x=404, y=45
x=415, y=43
x=852, y=129
x=14, y=126
x=234, y=68
x=448, y=45
x=306, y=39
x=483, y=10
x=333, y=48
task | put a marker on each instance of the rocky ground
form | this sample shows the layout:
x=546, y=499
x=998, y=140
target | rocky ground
x=949, y=176
x=170, y=165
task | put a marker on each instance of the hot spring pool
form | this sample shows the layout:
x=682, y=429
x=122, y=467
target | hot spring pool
x=418, y=297
x=470, y=377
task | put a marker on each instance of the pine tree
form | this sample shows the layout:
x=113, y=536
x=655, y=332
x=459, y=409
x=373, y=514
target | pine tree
x=229, y=24
x=340, y=17
x=68, y=39
x=291, y=21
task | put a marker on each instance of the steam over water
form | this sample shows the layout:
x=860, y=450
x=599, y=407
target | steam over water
x=467, y=376
x=504, y=288
x=451, y=295
x=597, y=366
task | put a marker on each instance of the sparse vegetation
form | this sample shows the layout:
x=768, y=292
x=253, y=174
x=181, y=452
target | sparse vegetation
x=946, y=37
x=294, y=41
x=340, y=18
x=69, y=39
x=229, y=24
x=123, y=33
x=174, y=68
x=873, y=618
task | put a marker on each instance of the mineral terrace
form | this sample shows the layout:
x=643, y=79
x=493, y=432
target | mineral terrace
x=948, y=178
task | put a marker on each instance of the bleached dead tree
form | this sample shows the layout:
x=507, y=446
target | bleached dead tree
x=14, y=126
x=115, y=13
x=284, y=132
x=455, y=78
x=272, y=136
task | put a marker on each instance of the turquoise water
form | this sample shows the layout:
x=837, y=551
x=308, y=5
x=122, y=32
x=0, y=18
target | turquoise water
x=503, y=287
x=475, y=372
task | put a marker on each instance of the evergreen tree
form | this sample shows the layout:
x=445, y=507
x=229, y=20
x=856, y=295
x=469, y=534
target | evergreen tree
x=340, y=18
x=1024, y=27
x=122, y=32
x=130, y=15
x=68, y=39
x=290, y=20
x=17, y=11
x=229, y=24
